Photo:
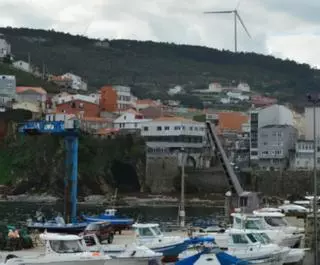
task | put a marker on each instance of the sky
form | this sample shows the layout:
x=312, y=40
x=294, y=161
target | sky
x=283, y=28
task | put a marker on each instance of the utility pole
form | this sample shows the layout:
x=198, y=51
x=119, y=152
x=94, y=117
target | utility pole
x=235, y=33
x=314, y=102
x=43, y=70
x=29, y=61
x=182, y=212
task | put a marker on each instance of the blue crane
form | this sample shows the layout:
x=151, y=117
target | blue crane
x=70, y=131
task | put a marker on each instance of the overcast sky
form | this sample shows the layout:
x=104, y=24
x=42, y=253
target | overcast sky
x=284, y=28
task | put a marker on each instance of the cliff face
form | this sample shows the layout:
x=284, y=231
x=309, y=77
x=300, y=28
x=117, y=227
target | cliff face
x=37, y=164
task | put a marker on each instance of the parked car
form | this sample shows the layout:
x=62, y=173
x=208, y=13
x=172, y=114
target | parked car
x=103, y=231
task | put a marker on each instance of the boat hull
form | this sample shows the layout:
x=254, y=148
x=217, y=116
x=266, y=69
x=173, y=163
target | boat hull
x=118, y=224
x=115, y=261
x=171, y=250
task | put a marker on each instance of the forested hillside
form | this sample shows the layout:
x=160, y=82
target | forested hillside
x=151, y=68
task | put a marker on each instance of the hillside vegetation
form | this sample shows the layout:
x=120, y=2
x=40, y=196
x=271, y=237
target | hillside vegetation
x=151, y=68
x=26, y=79
x=37, y=164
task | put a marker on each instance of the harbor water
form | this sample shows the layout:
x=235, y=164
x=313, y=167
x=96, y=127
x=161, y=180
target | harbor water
x=13, y=212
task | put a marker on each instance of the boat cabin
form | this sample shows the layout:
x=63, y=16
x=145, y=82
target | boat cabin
x=240, y=239
x=145, y=231
x=272, y=219
x=110, y=212
x=241, y=221
x=61, y=243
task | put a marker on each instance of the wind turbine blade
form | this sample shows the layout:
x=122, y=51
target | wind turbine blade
x=238, y=5
x=243, y=25
x=219, y=12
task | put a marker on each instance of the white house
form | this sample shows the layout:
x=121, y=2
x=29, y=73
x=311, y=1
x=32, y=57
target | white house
x=244, y=87
x=125, y=99
x=308, y=123
x=5, y=47
x=237, y=95
x=130, y=120
x=304, y=155
x=167, y=136
x=175, y=90
x=65, y=97
x=215, y=87
x=77, y=82
x=275, y=115
x=22, y=65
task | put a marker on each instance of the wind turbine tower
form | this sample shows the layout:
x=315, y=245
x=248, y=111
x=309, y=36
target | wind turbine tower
x=236, y=18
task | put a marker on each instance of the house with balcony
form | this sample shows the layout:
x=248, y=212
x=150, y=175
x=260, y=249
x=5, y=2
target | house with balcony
x=125, y=99
x=130, y=120
x=166, y=136
x=276, y=144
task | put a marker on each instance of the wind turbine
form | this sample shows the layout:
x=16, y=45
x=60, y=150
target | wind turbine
x=236, y=17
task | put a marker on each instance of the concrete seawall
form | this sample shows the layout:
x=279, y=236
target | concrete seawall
x=163, y=175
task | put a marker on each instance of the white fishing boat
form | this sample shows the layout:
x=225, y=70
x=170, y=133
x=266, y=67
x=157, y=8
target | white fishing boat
x=141, y=254
x=255, y=247
x=150, y=235
x=277, y=220
x=258, y=248
x=279, y=235
x=61, y=249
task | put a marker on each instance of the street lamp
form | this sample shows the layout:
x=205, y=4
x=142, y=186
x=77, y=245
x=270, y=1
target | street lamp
x=315, y=101
x=182, y=212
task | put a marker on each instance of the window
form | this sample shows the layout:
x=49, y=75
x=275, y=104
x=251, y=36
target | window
x=159, y=128
x=275, y=221
x=81, y=105
x=166, y=128
x=124, y=117
x=190, y=128
x=177, y=128
x=145, y=232
x=135, y=125
x=73, y=105
x=146, y=128
x=66, y=246
x=251, y=237
x=239, y=239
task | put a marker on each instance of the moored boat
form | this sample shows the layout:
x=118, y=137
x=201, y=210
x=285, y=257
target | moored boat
x=119, y=223
x=57, y=225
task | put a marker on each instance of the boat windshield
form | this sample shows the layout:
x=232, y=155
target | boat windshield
x=157, y=231
x=145, y=231
x=259, y=237
x=66, y=246
x=275, y=221
x=239, y=239
x=255, y=224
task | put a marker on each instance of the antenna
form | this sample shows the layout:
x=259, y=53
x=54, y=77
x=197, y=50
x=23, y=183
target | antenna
x=236, y=17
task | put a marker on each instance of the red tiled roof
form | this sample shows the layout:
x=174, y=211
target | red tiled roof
x=107, y=131
x=96, y=119
x=174, y=119
x=39, y=90
x=232, y=120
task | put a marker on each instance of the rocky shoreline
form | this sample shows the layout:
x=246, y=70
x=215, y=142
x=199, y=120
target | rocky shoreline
x=123, y=201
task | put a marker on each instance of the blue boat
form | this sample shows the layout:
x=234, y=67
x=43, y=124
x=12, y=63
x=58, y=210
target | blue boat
x=211, y=255
x=118, y=223
x=57, y=225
